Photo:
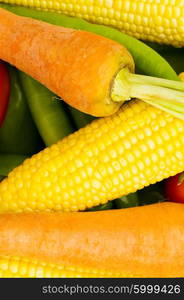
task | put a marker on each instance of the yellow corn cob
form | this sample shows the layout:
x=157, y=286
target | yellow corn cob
x=110, y=157
x=159, y=21
x=14, y=267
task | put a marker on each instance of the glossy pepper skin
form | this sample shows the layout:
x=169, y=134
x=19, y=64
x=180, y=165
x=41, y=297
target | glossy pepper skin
x=174, y=188
x=109, y=158
x=47, y=111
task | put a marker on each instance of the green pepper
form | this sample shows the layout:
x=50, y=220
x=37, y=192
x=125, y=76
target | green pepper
x=127, y=201
x=18, y=134
x=80, y=119
x=176, y=59
x=146, y=59
x=174, y=56
x=106, y=206
x=159, y=47
x=47, y=111
x=8, y=162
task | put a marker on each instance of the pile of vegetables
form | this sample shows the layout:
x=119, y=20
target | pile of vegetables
x=107, y=146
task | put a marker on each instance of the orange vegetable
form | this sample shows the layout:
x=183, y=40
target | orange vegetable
x=78, y=66
x=135, y=242
x=90, y=72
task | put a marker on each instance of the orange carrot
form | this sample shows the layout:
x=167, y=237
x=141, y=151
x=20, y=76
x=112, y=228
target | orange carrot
x=136, y=242
x=78, y=66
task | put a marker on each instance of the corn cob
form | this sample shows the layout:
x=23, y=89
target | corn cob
x=109, y=158
x=20, y=267
x=156, y=21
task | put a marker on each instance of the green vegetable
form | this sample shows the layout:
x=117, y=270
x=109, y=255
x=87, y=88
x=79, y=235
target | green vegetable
x=80, y=119
x=174, y=56
x=8, y=162
x=106, y=206
x=18, y=134
x=47, y=111
x=127, y=201
x=159, y=47
x=146, y=59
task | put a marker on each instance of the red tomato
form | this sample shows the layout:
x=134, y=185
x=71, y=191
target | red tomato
x=174, y=188
x=4, y=90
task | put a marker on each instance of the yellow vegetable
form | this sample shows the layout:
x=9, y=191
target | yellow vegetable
x=181, y=76
x=108, y=158
x=158, y=21
x=13, y=267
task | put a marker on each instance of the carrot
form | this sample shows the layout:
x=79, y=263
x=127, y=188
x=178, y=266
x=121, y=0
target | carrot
x=76, y=65
x=90, y=72
x=135, y=242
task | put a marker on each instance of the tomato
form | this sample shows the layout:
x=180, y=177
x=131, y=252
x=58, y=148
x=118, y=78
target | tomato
x=4, y=90
x=174, y=188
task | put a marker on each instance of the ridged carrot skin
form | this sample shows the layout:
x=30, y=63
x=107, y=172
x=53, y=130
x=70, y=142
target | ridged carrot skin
x=107, y=159
x=81, y=75
x=138, y=247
